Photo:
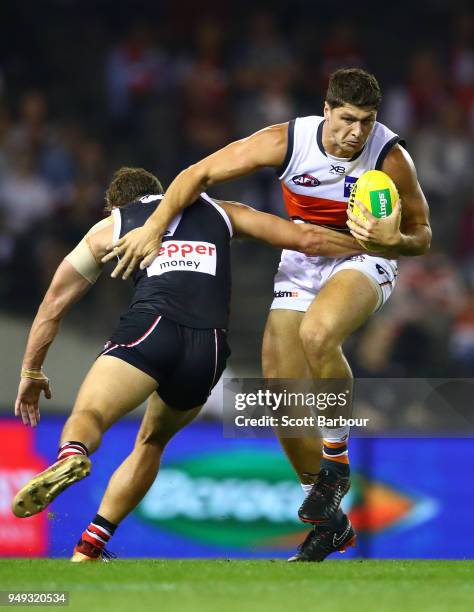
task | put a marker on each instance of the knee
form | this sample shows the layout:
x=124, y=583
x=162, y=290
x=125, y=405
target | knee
x=269, y=365
x=319, y=339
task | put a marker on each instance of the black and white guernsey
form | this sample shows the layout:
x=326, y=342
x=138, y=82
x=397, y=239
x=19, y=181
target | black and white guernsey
x=189, y=282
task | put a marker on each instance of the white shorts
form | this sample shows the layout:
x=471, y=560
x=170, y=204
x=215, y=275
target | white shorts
x=300, y=278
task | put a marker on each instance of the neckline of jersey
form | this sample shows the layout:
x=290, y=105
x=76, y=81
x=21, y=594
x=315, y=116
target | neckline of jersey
x=319, y=140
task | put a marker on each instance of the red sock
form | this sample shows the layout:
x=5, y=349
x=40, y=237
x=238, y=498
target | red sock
x=98, y=532
x=71, y=448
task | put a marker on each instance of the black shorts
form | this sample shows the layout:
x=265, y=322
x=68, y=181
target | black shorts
x=186, y=362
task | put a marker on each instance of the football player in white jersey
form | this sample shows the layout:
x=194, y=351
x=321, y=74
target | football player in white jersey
x=317, y=160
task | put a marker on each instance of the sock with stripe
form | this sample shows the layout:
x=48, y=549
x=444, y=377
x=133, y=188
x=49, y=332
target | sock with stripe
x=336, y=456
x=71, y=448
x=98, y=532
x=306, y=488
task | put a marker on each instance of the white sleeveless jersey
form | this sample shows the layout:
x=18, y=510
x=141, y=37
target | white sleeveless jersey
x=316, y=185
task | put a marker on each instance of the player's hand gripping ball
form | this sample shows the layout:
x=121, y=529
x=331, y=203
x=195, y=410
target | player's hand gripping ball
x=377, y=192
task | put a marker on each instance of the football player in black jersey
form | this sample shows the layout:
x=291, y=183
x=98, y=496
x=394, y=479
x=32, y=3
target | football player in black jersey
x=154, y=352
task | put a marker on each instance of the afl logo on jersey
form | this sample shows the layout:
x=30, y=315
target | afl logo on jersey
x=306, y=180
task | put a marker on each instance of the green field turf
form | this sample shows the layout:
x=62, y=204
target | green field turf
x=195, y=586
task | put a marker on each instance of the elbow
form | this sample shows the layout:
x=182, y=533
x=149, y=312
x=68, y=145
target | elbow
x=197, y=175
x=425, y=246
x=425, y=249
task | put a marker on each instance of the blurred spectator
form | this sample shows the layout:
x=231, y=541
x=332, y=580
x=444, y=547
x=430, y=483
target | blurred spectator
x=462, y=340
x=462, y=62
x=411, y=336
x=25, y=197
x=135, y=70
x=34, y=135
x=445, y=154
x=204, y=89
x=426, y=87
x=264, y=49
x=178, y=86
x=340, y=50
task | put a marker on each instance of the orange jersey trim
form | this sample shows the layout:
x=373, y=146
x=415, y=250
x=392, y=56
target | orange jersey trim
x=317, y=210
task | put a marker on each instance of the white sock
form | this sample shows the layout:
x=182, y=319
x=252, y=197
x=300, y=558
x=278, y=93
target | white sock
x=306, y=489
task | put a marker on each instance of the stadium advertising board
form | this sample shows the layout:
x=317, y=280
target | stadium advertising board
x=236, y=498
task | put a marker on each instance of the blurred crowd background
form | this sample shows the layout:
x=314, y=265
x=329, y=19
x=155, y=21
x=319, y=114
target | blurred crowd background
x=88, y=87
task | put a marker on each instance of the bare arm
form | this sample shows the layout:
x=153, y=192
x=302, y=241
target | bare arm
x=71, y=281
x=66, y=288
x=264, y=148
x=415, y=230
x=410, y=235
x=304, y=237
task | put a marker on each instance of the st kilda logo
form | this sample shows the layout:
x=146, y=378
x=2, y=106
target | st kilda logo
x=306, y=180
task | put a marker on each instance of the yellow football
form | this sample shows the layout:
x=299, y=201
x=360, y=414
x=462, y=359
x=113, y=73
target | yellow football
x=376, y=191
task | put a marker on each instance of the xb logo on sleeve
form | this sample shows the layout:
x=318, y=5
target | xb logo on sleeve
x=337, y=169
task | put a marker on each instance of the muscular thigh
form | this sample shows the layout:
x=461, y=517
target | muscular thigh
x=344, y=303
x=282, y=351
x=112, y=388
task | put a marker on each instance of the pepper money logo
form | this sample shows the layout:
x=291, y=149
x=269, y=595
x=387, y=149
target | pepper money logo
x=184, y=256
x=247, y=499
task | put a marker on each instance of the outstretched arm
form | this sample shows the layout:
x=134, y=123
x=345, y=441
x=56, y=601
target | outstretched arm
x=264, y=148
x=73, y=278
x=312, y=240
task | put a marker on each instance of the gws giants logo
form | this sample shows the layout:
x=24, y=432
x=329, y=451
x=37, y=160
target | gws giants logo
x=306, y=180
x=184, y=256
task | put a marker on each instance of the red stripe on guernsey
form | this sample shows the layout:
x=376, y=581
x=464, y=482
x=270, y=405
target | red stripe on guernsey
x=136, y=342
x=317, y=210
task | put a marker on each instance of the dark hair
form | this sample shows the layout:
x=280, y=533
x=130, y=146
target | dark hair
x=353, y=86
x=130, y=184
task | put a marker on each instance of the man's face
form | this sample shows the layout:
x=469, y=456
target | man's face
x=349, y=127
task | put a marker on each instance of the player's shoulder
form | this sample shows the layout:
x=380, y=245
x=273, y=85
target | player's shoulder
x=101, y=225
x=308, y=121
x=397, y=158
x=100, y=235
x=220, y=206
